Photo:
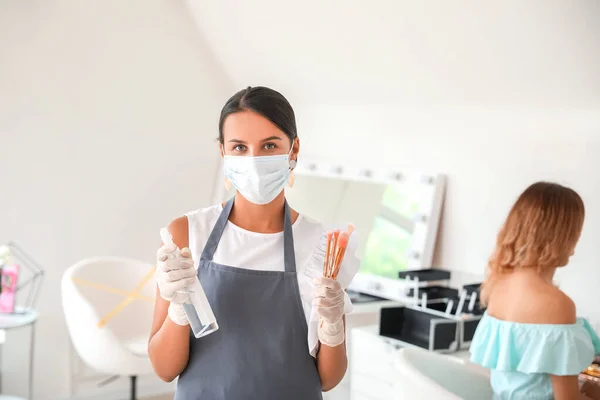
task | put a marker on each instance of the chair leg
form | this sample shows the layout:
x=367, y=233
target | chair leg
x=133, y=387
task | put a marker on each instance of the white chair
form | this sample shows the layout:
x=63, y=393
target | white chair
x=108, y=305
x=428, y=375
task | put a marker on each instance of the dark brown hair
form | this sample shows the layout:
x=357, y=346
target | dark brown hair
x=266, y=102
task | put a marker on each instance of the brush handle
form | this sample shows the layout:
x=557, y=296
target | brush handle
x=327, y=257
x=332, y=257
x=338, y=262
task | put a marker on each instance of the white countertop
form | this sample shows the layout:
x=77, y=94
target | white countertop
x=462, y=355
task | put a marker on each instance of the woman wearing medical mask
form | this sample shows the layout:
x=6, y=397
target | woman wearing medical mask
x=254, y=257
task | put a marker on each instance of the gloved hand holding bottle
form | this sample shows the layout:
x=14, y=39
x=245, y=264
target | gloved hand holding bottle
x=184, y=290
x=173, y=276
x=329, y=303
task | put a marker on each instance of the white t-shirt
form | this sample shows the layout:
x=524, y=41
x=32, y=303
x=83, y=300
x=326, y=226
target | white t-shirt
x=264, y=251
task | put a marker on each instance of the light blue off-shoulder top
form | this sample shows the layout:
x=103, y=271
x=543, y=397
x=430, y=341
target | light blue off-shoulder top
x=522, y=356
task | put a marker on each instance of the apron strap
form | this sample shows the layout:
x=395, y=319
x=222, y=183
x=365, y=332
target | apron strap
x=217, y=232
x=289, y=255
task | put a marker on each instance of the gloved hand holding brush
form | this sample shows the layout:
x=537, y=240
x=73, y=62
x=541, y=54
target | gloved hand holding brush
x=329, y=303
x=329, y=294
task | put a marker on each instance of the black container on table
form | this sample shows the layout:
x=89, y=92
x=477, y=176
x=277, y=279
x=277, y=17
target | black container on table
x=468, y=330
x=435, y=292
x=442, y=305
x=425, y=275
x=420, y=327
x=478, y=309
x=468, y=320
x=472, y=288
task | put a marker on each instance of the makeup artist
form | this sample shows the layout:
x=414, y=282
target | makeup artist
x=261, y=266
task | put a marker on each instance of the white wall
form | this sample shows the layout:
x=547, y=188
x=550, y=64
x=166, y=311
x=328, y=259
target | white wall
x=502, y=53
x=108, y=114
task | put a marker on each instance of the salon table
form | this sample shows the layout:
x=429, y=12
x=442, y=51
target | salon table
x=19, y=319
x=372, y=372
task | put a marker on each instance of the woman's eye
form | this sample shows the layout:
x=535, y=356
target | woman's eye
x=270, y=146
x=239, y=148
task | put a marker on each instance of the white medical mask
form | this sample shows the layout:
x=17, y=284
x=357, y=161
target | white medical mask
x=258, y=179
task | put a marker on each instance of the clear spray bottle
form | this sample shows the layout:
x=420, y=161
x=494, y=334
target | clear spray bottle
x=196, y=307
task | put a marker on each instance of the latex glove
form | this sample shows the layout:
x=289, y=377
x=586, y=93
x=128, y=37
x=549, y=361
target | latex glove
x=173, y=275
x=329, y=304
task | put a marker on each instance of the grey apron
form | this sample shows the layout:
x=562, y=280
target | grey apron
x=260, y=350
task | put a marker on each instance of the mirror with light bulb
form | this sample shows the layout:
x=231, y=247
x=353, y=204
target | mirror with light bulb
x=396, y=215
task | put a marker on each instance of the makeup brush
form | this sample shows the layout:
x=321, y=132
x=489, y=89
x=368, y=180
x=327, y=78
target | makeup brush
x=327, y=256
x=336, y=235
x=342, y=244
x=341, y=249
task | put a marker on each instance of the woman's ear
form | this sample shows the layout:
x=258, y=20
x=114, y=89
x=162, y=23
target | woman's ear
x=295, y=149
x=221, y=150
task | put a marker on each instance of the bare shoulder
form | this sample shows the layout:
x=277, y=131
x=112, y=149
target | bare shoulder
x=525, y=300
x=564, y=308
x=179, y=230
x=551, y=306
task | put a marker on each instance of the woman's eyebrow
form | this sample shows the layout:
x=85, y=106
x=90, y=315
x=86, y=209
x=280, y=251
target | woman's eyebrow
x=271, y=138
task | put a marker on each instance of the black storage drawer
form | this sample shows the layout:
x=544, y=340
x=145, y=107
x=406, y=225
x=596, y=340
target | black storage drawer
x=420, y=327
x=468, y=331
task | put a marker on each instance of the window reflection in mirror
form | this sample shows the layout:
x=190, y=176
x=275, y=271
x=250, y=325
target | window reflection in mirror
x=382, y=213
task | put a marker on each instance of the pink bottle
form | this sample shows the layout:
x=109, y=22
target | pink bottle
x=8, y=280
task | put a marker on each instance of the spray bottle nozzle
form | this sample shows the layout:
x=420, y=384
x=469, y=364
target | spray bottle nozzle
x=167, y=239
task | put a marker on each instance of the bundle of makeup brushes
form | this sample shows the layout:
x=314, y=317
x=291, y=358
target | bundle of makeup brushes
x=337, y=242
